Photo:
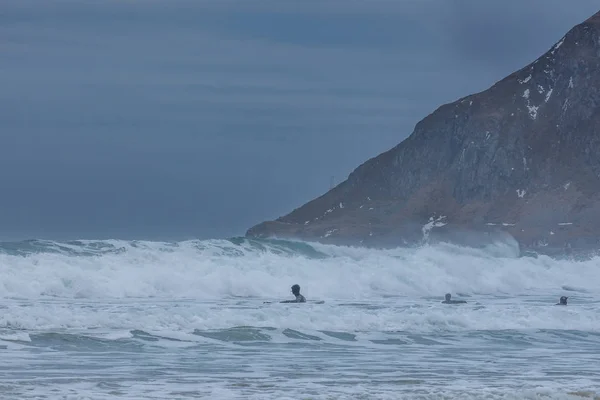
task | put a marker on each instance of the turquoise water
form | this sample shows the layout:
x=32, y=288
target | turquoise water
x=143, y=320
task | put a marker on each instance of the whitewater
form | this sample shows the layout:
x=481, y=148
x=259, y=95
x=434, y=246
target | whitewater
x=113, y=319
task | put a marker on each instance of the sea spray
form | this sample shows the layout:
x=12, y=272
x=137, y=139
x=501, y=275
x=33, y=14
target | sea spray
x=218, y=269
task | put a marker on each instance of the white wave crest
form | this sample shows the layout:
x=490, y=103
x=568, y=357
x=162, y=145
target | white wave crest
x=220, y=269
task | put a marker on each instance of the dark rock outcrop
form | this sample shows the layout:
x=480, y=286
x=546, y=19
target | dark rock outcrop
x=521, y=158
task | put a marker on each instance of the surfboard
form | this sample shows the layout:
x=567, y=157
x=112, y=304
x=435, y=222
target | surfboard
x=307, y=301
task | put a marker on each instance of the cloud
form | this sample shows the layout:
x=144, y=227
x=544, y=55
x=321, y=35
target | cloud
x=509, y=33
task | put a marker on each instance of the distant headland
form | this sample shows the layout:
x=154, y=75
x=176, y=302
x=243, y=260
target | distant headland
x=521, y=158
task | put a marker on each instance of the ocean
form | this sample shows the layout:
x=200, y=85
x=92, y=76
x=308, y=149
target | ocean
x=200, y=319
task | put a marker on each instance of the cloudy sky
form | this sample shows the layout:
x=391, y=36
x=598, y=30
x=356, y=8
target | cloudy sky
x=177, y=119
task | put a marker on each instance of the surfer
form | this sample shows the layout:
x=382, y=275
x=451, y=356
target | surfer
x=448, y=301
x=296, y=292
x=562, y=301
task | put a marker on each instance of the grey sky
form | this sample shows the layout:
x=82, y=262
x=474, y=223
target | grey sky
x=177, y=119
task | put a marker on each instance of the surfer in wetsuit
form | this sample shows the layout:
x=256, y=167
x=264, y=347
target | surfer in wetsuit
x=562, y=301
x=296, y=292
x=448, y=301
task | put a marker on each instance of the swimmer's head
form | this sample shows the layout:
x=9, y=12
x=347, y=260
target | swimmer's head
x=296, y=290
x=448, y=296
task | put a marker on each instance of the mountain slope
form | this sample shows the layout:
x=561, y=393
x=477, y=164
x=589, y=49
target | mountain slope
x=521, y=157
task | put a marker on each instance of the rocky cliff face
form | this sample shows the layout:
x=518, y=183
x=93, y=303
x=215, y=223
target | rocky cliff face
x=522, y=157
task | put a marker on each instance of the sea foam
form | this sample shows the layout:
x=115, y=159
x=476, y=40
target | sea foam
x=219, y=269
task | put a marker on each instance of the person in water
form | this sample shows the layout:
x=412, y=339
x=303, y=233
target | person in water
x=296, y=292
x=448, y=301
x=562, y=301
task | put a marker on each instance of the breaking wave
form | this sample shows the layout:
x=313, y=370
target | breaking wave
x=239, y=267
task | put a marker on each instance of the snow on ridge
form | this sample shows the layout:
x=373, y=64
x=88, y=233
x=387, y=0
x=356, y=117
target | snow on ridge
x=557, y=46
x=503, y=224
x=525, y=80
x=329, y=233
x=532, y=111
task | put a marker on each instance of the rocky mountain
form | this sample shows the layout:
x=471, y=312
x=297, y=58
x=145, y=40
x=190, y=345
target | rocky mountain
x=520, y=158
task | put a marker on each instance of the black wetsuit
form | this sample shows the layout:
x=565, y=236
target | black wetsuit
x=453, y=302
x=299, y=299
